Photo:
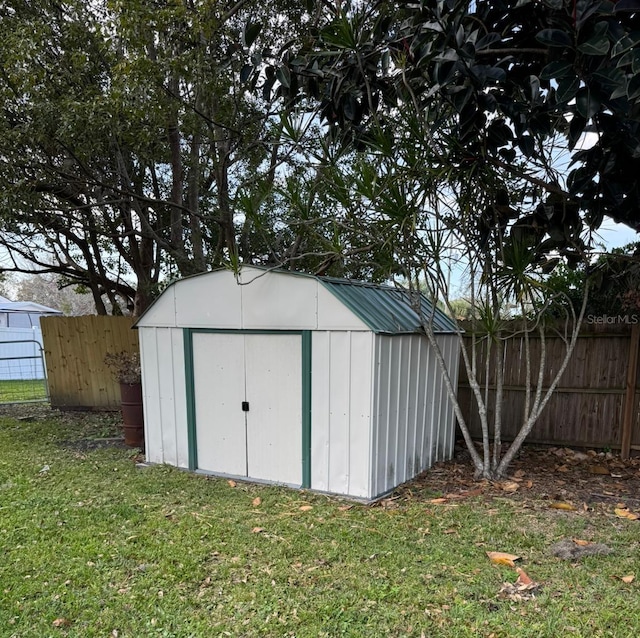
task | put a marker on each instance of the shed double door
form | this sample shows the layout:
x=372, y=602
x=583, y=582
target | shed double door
x=248, y=405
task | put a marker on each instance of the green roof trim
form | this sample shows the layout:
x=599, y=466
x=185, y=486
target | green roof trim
x=389, y=310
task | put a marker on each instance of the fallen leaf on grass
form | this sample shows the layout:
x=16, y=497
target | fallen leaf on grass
x=306, y=508
x=523, y=589
x=231, y=483
x=523, y=578
x=345, y=508
x=256, y=501
x=61, y=622
x=502, y=558
x=257, y=530
x=625, y=513
x=581, y=543
x=563, y=506
x=437, y=501
x=628, y=579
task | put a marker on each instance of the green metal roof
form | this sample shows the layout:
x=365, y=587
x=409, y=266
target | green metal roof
x=388, y=310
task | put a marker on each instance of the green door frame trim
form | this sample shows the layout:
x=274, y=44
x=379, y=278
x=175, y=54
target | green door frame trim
x=306, y=339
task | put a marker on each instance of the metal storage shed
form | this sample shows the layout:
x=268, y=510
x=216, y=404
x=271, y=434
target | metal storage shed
x=288, y=378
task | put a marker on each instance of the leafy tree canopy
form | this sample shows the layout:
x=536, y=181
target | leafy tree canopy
x=522, y=81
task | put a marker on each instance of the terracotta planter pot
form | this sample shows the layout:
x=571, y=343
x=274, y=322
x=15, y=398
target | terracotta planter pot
x=132, y=415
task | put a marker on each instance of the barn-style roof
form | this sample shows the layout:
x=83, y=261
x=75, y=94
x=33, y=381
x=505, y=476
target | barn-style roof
x=268, y=298
x=388, y=310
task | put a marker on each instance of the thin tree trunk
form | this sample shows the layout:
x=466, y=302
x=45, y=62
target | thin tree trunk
x=535, y=414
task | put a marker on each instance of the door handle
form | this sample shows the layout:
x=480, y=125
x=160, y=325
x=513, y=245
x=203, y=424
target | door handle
x=245, y=406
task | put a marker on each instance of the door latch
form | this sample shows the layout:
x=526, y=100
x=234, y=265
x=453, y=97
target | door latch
x=245, y=406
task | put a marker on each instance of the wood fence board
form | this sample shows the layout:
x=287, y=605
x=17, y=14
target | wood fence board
x=75, y=348
x=587, y=407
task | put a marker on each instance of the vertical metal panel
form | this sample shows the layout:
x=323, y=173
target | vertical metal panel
x=361, y=384
x=166, y=385
x=151, y=394
x=207, y=301
x=219, y=388
x=405, y=382
x=383, y=414
x=163, y=387
x=279, y=301
x=413, y=421
x=178, y=391
x=273, y=365
x=320, y=399
x=436, y=427
x=339, y=409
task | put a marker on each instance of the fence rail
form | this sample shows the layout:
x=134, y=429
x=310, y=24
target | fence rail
x=75, y=348
x=597, y=403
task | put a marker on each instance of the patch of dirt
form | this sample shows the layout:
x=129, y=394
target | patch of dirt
x=87, y=430
x=562, y=476
x=87, y=445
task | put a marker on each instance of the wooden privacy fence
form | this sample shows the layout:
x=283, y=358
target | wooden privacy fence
x=596, y=404
x=75, y=348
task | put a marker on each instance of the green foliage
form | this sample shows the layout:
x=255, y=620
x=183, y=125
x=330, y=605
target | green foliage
x=614, y=284
x=514, y=78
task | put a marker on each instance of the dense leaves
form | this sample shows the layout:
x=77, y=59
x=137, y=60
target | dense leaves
x=517, y=78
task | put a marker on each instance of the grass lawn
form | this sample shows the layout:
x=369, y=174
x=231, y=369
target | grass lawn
x=93, y=546
x=17, y=391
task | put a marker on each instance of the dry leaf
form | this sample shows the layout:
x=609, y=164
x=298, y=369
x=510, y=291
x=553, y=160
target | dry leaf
x=510, y=486
x=523, y=578
x=257, y=530
x=599, y=469
x=562, y=468
x=61, y=622
x=519, y=591
x=306, y=508
x=625, y=513
x=501, y=558
x=518, y=473
x=231, y=483
x=581, y=543
x=558, y=505
x=628, y=579
x=256, y=501
x=345, y=508
x=437, y=501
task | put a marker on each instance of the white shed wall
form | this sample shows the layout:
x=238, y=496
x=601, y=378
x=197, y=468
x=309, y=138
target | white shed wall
x=413, y=424
x=164, y=392
x=341, y=392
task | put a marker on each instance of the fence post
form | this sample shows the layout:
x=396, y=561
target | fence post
x=628, y=420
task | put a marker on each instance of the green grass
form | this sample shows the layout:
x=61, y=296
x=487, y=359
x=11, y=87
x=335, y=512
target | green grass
x=99, y=547
x=18, y=391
